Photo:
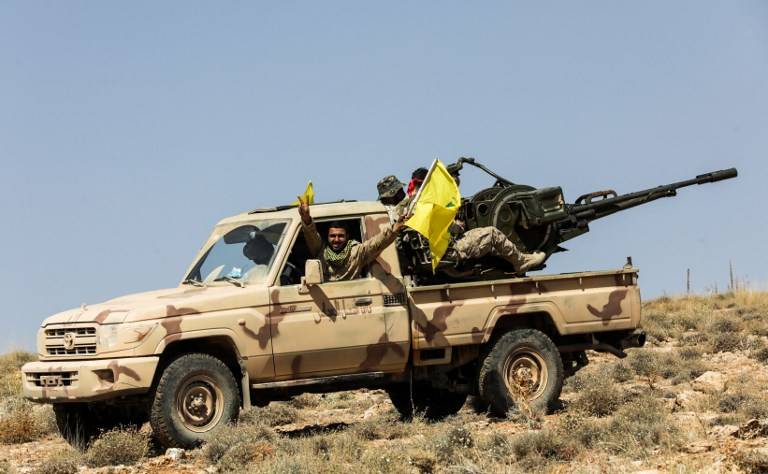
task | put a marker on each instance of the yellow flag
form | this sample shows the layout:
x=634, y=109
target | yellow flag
x=435, y=208
x=308, y=196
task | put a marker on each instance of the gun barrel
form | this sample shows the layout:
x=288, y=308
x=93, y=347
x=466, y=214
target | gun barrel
x=605, y=207
x=717, y=176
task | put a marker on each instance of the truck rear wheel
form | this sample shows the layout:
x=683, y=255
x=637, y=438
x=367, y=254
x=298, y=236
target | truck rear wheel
x=433, y=403
x=522, y=366
x=197, y=394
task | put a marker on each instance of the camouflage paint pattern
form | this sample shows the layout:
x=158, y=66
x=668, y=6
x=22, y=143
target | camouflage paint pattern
x=369, y=324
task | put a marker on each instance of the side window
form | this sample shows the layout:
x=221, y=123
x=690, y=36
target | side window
x=293, y=269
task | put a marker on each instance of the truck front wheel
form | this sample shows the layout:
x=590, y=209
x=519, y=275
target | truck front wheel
x=196, y=395
x=523, y=366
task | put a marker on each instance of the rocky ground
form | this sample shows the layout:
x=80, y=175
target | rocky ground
x=693, y=400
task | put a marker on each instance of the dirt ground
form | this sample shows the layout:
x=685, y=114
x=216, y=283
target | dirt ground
x=706, y=410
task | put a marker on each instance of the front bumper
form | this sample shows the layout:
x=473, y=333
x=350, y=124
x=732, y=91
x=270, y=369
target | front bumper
x=77, y=380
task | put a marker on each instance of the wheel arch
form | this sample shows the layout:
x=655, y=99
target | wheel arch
x=221, y=346
x=525, y=316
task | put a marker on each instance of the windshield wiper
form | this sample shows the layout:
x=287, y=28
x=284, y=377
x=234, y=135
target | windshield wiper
x=193, y=282
x=232, y=280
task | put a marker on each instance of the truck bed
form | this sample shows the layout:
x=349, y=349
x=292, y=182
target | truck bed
x=457, y=314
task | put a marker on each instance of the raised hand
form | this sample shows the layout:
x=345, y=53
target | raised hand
x=304, y=211
x=400, y=224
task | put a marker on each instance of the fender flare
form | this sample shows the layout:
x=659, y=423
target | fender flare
x=501, y=311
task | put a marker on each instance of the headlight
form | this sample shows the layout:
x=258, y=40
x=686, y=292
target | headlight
x=107, y=336
x=123, y=336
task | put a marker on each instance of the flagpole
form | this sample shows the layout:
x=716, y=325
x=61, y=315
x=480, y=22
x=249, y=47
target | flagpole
x=423, y=183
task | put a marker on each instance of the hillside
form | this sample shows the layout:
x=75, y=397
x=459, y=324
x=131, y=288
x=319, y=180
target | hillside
x=693, y=400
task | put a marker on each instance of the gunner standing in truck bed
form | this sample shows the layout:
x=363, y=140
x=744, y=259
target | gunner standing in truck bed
x=342, y=257
x=467, y=244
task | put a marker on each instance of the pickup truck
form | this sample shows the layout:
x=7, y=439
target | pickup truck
x=242, y=330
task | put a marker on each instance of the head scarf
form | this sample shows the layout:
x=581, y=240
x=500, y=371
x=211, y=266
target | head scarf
x=338, y=259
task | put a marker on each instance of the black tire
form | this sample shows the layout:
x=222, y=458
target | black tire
x=197, y=395
x=524, y=359
x=478, y=404
x=433, y=403
x=80, y=423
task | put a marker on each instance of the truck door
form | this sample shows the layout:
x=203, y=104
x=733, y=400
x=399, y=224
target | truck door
x=340, y=327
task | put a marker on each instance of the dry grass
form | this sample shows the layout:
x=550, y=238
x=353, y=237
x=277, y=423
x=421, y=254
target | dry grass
x=64, y=461
x=618, y=415
x=10, y=375
x=24, y=421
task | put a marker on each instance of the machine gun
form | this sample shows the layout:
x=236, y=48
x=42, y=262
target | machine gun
x=540, y=219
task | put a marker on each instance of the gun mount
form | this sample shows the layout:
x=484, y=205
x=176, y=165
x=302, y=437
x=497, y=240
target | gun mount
x=539, y=219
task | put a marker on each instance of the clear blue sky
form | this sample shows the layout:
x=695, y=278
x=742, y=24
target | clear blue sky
x=127, y=130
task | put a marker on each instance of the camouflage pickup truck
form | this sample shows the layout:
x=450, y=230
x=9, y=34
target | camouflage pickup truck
x=241, y=331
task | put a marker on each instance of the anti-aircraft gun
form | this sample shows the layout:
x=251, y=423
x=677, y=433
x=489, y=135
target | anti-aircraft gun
x=535, y=219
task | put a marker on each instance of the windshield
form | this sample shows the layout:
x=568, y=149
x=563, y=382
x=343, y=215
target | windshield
x=242, y=255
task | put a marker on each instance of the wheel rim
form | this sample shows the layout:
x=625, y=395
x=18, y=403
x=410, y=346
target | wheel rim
x=525, y=374
x=199, y=403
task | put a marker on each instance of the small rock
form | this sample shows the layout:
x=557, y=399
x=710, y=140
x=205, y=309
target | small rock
x=709, y=382
x=752, y=429
x=723, y=430
x=699, y=447
x=175, y=454
x=369, y=413
x=685, y=400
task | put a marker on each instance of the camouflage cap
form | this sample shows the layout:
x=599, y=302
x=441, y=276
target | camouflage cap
x=389, y=186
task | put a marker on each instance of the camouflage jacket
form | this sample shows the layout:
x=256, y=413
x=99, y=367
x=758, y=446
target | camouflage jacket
x=360, y=255
x=396, y=210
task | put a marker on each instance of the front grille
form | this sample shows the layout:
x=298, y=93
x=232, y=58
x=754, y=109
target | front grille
x=59, y=332
x=70, y=341
x=86, y=349
x=52, y=379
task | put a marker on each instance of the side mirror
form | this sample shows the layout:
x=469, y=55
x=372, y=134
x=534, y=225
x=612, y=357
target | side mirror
x=313, y=275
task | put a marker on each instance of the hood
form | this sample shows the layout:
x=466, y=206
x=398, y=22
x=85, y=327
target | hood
x=163, y=303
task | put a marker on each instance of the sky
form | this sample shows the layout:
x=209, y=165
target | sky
x=127, y=130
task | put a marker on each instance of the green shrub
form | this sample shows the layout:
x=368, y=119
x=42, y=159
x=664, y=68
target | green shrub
x=690, y=353
x=275, y=414
x=451, y=444
x=725, y=342
x=242, y=454
x=233, y=435
x=534, y=447
x=119, y=446
x=599, y=397
x=621, y=372
x=724, y=324
x=642, y=424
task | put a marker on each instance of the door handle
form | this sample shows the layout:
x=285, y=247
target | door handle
x=363, y=301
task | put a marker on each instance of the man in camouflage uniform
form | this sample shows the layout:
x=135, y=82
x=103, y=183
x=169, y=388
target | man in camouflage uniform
x=472, y=244
x=393, y=197
x=343, y=258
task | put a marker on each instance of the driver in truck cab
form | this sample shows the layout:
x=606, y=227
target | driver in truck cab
x=344, y=258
